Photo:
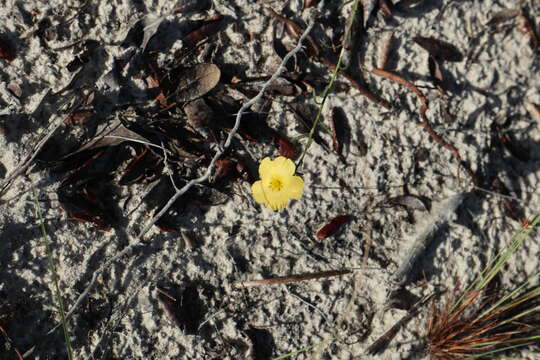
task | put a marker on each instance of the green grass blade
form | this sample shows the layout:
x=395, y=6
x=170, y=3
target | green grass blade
x=503, y=349
x=494, y=266
x=498, y=304
x=52, y=267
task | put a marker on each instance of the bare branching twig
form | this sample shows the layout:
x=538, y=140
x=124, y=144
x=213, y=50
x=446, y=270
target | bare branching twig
x=211, y=167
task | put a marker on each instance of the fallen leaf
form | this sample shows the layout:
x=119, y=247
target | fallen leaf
x=225, y=172
x=207, y=29
x=196, y=81
x=286, y=148
x=15, y=89
x=310, y=3
x=341, y=132
x=503, y=15
x=78, y=117
x=116, y=134
x=333, y=226
x=295, y=31
x=439, y=49
x=410, y=202
x=85, y=204
x=244, y=171
x=282, y=51
x=436, y=74
x=143, y=166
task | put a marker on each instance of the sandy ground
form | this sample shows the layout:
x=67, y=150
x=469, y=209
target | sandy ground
x=388, y=156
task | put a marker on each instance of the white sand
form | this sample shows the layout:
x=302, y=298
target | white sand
x=243, y=241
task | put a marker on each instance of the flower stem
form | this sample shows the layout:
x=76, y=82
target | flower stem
x=329, y=86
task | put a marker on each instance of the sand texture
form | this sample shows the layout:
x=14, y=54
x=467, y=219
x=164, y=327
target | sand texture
x=392, y=178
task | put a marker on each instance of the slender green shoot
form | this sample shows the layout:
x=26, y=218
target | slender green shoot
x=52, y=267
x=328, y=88
x=495, y=265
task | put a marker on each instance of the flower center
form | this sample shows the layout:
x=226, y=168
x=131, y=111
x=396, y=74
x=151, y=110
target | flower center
x=275, y=184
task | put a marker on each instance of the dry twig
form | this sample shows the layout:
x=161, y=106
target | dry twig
x=425, y=122
x=290, y=278
x=211, y=167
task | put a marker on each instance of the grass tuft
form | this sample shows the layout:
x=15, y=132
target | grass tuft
x=476, y=324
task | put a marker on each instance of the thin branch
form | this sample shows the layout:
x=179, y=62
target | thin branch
x=425, y=122
x=139, y=239
x=290, y=279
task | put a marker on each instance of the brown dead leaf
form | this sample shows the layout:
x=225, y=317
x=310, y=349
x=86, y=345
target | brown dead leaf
x=196, y=81
x=333, y=226
x=116, y=134
x=503, y=15
x=340, y=130
x=436, y=74
x=410, y=202
x=286, y=148
x=439, y=49
x=207, y=29
x=15, y=89
x=295, y=31
x=310, y=3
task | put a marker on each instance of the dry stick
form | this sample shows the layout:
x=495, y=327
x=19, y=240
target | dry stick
x=356, y=84
x=425, y=122
x=293, y=29
x=290, y=278
x=188, y=186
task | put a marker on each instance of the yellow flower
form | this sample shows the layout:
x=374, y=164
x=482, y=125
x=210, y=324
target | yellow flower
x=278, y=183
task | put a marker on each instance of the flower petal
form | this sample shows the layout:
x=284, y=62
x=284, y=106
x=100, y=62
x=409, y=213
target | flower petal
x=265, y=168
x=284, y=166
x=295, y=188
x=277, y=201
x=258, y=192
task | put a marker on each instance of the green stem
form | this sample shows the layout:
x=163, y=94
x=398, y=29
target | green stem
x=52, y=267
x=327, y=89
